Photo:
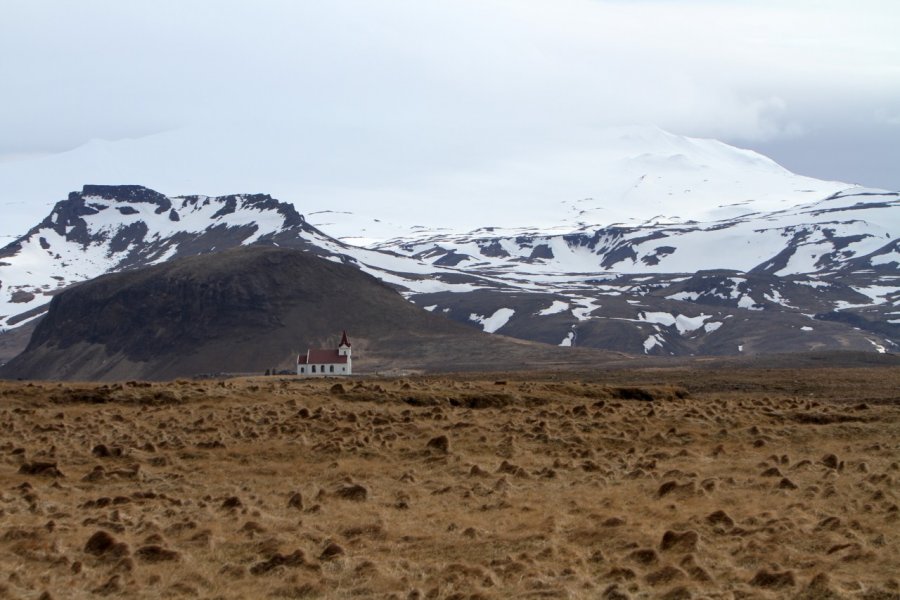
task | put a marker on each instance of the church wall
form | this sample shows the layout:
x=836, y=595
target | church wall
x=324, y=370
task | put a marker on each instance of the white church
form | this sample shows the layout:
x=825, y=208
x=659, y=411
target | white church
x=322, y=362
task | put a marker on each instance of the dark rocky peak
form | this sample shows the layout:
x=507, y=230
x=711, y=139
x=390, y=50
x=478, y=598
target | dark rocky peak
x=261, y=202
x=265, y=202
x=67, y=216
x=229, y=205
x=67, y=219
x=134, y=194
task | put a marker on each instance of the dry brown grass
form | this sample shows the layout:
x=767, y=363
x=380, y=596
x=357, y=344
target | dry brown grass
x=670, y=483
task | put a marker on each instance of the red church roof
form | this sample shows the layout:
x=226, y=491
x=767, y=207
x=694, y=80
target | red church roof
x=319, y=356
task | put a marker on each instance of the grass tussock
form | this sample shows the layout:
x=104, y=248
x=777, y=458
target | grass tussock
x=626, y=484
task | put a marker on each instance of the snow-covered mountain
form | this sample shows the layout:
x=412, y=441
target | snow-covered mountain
x=685, y=246
x=104, y=229
x=629, y=176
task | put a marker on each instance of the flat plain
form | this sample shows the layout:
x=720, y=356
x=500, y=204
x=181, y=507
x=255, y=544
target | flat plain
x=682, y=482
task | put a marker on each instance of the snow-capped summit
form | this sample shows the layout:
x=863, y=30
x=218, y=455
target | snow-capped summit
x=626, y=175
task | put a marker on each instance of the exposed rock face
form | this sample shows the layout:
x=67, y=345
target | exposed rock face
x=242, y=310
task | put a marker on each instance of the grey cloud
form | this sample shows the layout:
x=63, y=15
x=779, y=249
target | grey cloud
x=405, y=84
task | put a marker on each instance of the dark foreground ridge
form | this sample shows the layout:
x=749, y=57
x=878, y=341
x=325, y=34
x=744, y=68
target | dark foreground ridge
x=248, y=310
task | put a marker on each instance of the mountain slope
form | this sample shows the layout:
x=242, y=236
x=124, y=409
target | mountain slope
x=791, y=274
x=855, y=225
x=248, y=310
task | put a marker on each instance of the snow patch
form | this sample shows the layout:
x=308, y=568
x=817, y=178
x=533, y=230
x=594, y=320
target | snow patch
x=775, y=297
x=686, y=324
x=683, y=323
x=884, y=259
x=557, y=307
x=878, y=347
x=711, y=326
x=686, y=296
x=585, y=307
x=748, y=303
x=844, y=305
x=878, y=293
x=567, y=341
x=659, y=318
x=495, y=321
x=653, y=341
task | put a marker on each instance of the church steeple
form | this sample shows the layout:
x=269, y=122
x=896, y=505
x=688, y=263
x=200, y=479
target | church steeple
x=344, y=347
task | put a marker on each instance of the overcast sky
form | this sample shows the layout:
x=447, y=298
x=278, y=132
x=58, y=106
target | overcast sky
x=394, y=85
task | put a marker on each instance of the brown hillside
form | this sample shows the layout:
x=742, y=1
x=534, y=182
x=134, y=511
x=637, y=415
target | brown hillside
x=248, y=310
